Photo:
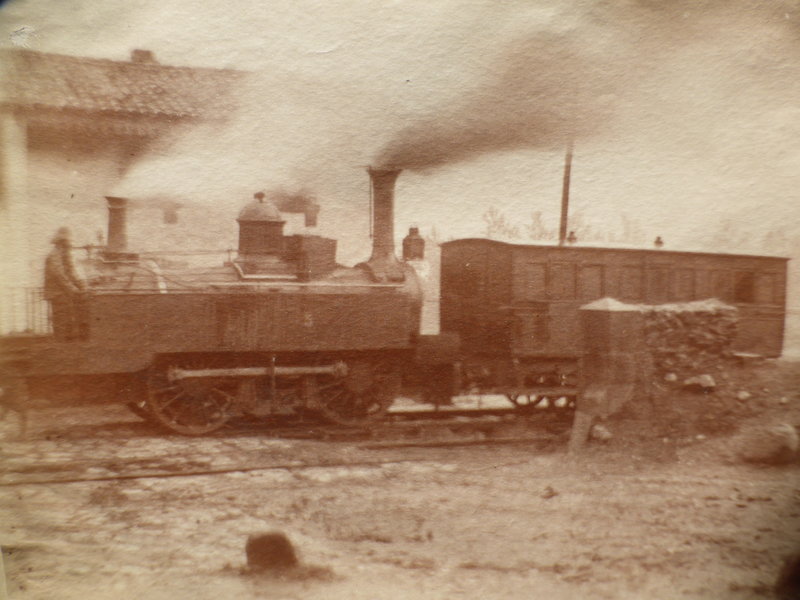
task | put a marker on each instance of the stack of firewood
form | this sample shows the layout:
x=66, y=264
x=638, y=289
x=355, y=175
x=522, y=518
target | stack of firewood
x=691, y=338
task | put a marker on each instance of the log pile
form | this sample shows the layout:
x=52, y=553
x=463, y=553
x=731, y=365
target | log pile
x=689, y=347
x=682, y=365
x=689, y=339
x=689, y=382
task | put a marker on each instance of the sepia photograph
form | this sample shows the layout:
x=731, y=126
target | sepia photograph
x=400, y=299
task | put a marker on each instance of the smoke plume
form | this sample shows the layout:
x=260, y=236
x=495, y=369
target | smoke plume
x=679, y=108
x=603, y=68
x=542, y=93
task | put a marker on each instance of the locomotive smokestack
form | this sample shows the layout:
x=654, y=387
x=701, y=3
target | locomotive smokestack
x=383, y=213
x=117, y=225
x=383, y=263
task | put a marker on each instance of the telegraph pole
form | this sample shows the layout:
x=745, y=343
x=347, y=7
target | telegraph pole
x=562, y=231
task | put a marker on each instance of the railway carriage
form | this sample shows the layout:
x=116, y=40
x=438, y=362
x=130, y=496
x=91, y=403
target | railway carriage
x=515, y=307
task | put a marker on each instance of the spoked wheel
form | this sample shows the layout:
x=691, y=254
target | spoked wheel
x=361, y=397
x=525, y=402
x=188, y=407
x=529, y=402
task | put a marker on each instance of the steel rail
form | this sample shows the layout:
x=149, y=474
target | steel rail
x=208, y=472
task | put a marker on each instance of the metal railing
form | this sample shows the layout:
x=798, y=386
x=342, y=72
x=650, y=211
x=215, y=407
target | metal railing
x=24, y=310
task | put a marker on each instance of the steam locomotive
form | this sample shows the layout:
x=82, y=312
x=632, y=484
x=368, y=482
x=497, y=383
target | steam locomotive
x=284, y=332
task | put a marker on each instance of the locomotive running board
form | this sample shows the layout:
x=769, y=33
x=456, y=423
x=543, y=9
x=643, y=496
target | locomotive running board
x=338, y=369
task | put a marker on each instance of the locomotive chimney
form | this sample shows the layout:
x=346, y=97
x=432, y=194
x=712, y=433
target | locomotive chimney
x=117, y=225
x=383, y=263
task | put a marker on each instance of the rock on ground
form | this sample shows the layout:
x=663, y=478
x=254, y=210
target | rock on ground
x=271, y=551
x=600, y=433
x=702, y=383
x=775, y=445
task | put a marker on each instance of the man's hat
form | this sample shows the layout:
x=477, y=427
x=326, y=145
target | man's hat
x=62, y=235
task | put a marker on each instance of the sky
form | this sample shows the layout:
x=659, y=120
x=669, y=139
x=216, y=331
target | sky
x=683, y=114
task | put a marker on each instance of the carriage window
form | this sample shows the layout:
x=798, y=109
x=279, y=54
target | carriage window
x=529, y=281
x=657, y=285
x=744, y=289
x=703, y=287
x=561, y=285
x=765, y=289
x=721, y=285
x=590, y=282
x=684, y=284
x=631, y=287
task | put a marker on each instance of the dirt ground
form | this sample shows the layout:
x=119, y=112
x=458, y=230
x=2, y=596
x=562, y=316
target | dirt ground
x=660, y=511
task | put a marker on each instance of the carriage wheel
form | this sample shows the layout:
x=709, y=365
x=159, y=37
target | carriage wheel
x=193, y=407
x=525, y=402
x=361, y=397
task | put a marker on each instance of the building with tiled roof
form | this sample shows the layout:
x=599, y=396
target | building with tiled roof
x=129, y=97
x=70, y=128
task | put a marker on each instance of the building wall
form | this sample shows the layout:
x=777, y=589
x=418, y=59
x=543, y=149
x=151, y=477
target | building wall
x=51, y=177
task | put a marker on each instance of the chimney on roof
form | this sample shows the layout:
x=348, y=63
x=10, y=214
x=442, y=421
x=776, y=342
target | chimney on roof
x=143, y=56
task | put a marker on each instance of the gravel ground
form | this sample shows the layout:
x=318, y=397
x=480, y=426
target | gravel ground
x=674, y=519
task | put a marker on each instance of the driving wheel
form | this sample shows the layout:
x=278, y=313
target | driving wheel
x=189, y=406
x=361, y=396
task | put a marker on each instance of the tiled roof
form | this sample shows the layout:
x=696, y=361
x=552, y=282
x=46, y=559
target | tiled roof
x=55, y=81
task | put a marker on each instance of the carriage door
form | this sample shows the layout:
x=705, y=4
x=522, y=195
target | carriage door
x=529, y=329
x=473, y=282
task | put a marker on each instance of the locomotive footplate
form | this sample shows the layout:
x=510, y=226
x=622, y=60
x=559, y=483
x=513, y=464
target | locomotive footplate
x=552, y=392
x=338, y=369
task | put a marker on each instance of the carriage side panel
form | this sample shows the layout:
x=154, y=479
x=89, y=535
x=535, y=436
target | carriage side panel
x=548, y=284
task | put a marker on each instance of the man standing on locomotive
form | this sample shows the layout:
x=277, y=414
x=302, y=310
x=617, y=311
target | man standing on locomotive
x=64, y=290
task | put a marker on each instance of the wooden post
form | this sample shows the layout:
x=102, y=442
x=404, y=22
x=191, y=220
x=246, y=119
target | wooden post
x=562, y=231
x=15, y=268
x=613, y=347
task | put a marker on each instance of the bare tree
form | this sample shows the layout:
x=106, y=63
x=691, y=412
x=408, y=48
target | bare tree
x=499, y=226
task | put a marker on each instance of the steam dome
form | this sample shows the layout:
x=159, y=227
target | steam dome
x=260, y=229
x=260, y=210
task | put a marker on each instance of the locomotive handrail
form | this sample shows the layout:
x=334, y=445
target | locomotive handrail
x=251, y=287
x=24, y=310
x=185, y=252
x=261, y=277
x=156, y=270
x=310, y=284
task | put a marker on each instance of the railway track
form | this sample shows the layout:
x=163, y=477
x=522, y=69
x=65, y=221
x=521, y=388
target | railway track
x=27, y=479
x=247, y=446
